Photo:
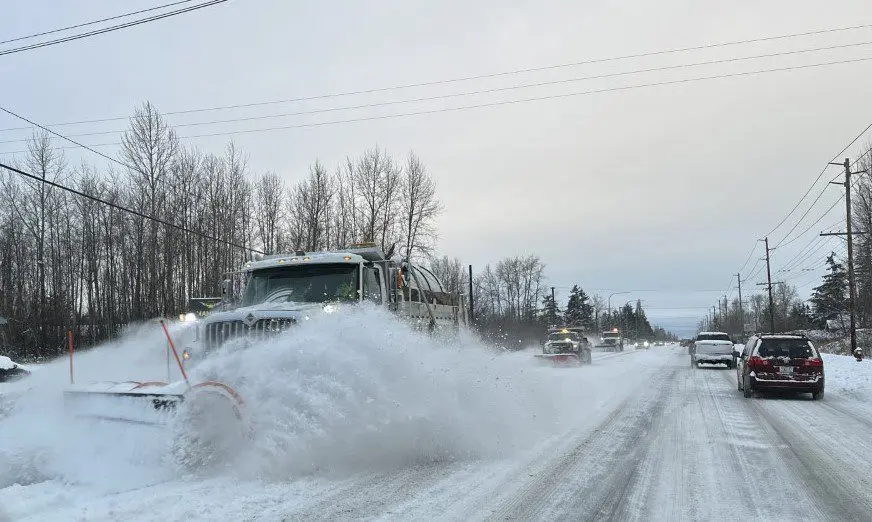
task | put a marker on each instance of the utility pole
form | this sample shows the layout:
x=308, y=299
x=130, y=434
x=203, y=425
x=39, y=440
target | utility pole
x=471, y=307
x=849, y=232
x=553, y=307
x=769, y=285
x=851, y=285
x=741, y=309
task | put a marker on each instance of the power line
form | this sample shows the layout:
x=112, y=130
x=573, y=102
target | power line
x=810, y=207
x=85, y=24
x=818, y=178
x=818, y=220
x=125, y=209
x=450, y=95
x=514, y=102
x=111, y=28
x=481, y=76
x=750, y=255
x=46, y=129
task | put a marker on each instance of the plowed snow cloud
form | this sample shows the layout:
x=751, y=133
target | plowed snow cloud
x=353, y=391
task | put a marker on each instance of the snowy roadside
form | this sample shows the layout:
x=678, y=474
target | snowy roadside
x=847, y=378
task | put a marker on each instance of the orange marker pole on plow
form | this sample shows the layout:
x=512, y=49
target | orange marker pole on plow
x=175, y=353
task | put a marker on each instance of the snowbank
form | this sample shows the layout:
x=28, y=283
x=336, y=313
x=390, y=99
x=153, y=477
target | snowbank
x=848, y=378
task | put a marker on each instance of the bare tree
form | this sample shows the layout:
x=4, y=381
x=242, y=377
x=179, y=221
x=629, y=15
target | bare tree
x=269, y=213
x=420, y=208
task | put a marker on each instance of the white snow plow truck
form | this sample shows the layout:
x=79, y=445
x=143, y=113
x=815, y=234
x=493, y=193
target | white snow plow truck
x=564, y=347
x=611, y=341
x=278, y=292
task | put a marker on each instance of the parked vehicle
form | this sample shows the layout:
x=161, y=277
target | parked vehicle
x=780, y=362
x=10, y=370
x=712, y=348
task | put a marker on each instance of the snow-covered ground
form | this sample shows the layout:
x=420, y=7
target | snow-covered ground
x=357, y=417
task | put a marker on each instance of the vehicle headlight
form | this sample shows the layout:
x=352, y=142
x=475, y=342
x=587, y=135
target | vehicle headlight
x=646, y=343
x=330, y=308
x=189, y=317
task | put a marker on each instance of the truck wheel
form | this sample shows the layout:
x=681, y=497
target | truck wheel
x=210, y=427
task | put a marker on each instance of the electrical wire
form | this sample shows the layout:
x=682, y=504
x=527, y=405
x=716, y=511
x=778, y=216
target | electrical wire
x=783, y=243
x=81, y=145
x=85, y=24
x=810, y=207
x=111, y=28
x=485, y=76
x=125, y=209
x=818, y=178
x=454, y=95
x=516, y=101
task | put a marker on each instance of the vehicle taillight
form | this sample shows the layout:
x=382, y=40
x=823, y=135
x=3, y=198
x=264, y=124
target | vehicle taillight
x=815, y=363
x=758, y=363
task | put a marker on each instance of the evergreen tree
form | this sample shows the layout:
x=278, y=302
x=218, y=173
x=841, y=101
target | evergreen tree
x=579, y=310
x=550, y=311
x=829, y=299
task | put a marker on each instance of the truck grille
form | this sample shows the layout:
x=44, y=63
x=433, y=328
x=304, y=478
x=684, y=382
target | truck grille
x=221, y=332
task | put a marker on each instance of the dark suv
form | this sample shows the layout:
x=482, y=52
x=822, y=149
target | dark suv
x=780, y=362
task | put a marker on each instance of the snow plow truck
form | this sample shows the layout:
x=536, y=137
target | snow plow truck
x=277, y=292
x=565, y=347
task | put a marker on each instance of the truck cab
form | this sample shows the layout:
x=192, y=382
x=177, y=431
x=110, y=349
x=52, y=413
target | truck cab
x=279, y=291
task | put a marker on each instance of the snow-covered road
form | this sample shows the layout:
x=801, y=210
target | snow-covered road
x=635, y=436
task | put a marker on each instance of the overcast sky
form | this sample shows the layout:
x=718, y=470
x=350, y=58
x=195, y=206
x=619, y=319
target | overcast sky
x=661, y=191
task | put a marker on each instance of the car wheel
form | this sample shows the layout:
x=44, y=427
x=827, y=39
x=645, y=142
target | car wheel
x=818, y=395
x=748, y=392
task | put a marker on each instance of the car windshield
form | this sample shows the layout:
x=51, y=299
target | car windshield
x=713, y=337
x=570, y=336
x=793, y=348
x=309, y=283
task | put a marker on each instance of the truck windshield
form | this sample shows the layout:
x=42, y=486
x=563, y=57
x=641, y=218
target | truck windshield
x=306, y=283
x=571, y=336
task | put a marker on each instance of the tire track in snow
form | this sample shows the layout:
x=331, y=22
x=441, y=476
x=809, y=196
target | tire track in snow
x=798, y=437
x=596, y=479
x=833, y=461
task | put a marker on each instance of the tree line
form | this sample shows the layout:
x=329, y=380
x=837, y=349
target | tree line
x=70, y=262
x=513, y=307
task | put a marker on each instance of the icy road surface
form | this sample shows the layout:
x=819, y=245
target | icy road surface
x=638, y=435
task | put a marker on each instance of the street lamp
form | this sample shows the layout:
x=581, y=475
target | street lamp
x=610, y=300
